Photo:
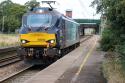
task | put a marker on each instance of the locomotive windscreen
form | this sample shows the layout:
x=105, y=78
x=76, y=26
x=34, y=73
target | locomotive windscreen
x=37, y=20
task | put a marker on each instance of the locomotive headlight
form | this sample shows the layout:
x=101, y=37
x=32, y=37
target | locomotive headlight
x=52, y=41
x=24, y=41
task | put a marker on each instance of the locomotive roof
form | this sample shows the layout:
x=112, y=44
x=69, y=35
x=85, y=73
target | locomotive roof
x=40, y=10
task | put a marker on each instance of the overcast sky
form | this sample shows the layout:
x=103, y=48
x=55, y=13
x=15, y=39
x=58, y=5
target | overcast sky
x=80, y=8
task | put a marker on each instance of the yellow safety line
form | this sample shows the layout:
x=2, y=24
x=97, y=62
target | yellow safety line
x=84, y=60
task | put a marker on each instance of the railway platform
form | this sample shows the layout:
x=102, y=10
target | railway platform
x=83, y=65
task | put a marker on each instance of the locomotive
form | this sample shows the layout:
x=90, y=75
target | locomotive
x=46, y=34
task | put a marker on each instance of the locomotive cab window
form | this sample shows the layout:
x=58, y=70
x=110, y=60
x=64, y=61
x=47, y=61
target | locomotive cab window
x=38, y=20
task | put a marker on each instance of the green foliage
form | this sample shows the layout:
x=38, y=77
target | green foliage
x=31, y=4
x=121, y=49
x=115, y=13
x=12, y=14
x=113, y=9
x=106, y=41
x=13, y=23
x=109, y=40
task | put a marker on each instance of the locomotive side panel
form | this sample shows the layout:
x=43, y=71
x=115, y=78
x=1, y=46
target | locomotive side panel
x=71, y=33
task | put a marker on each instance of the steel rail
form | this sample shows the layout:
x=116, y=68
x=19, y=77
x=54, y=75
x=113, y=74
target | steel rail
x=8, y=49
x=9, y=60
x=16, y=73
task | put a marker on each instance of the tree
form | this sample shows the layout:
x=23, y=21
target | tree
x=12, y=14
x=115, y=13
x=4, y=6
x=113, y=9
x=31, y=4
x=17, y=10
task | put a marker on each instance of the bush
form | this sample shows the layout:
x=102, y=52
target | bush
x=106, y=41
x=121, y=49
x=111, y=41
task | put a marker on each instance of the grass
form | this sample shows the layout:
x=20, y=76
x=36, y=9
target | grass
x=7, y=40
x=114, y=68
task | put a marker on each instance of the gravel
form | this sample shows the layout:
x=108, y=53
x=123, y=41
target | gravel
x=10, y=70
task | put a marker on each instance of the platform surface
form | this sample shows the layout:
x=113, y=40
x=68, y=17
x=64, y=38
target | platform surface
x=83, y=65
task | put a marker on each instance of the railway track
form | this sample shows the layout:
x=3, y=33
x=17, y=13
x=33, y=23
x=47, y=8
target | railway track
x=5, y=79
x=8, y=60
x=7, y=56
x=8, y=49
